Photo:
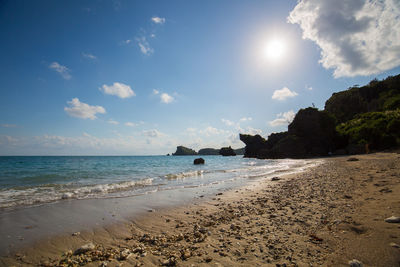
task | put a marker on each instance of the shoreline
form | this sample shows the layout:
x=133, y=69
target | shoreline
x=327, y=215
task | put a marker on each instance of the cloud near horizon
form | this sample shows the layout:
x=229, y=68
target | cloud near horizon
x=62, y=70
x=283, y=118
x=283, y=94
x=118, y=89
x=356, y=37
x=82, y=110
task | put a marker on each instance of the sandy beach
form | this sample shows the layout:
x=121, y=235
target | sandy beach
x=325, y=216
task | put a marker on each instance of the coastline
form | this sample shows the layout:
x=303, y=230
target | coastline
x=327, y=215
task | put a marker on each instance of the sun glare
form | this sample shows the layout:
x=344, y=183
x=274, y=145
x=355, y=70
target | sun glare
x=275, y=50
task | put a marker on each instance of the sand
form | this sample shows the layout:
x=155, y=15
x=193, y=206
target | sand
x=326, y=216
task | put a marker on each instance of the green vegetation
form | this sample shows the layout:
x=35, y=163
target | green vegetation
x=380, y=130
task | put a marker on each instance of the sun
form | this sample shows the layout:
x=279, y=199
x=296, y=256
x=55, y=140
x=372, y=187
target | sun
x=275, y=50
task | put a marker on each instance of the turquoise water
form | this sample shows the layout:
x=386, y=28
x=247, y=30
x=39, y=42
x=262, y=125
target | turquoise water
x=26, y=181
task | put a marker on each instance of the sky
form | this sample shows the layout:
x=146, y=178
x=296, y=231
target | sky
x=142, y=77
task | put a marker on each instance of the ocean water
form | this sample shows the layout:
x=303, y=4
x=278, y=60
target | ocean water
x=31, y=181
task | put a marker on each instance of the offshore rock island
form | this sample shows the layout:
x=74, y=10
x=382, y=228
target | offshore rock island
x=224, y=151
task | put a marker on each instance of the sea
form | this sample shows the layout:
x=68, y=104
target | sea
x=27, y=181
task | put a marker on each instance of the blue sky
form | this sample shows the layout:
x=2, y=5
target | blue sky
x=141, y=77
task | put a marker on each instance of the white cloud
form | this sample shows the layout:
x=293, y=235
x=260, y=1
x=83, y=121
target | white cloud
x=128, y=41
x=82, y=110
x=155, y=92
x=62, y=70
x=283, y=93
x=130, y=124
x=251, y=130
x=113, y=122
x=246, y=119
x=152, y=133
x=119, y=89
x=309, y=88
x=283, y=118
x=191, y=131
x=144, y=45
x=356, y=37
x=228, y=122
x=166, y=98
x=158, y=20
x=89, y=56
x=211, y=131
x=6, y=125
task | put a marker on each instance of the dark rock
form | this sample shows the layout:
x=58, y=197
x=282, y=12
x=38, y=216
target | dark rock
x=198, y=161
x=227, y=151
x=275, y=178
x=353, y=159
x=254, y=144
x=184, y=151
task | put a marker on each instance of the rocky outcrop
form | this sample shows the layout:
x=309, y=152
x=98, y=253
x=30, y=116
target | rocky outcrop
x=184, y=151
x=254, y=145
x=312, y=133
x=198, y=161
x=208, y=151
x=227, y=151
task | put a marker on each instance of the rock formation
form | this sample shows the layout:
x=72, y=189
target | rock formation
x=227, y=151
x=184, y=151
x=198, y=161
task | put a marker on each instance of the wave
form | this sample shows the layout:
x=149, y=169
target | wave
x=183, y=175
x=51, y=193
x=245, y=170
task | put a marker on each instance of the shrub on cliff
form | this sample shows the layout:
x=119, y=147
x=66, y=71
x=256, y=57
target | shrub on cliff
x=380, y=130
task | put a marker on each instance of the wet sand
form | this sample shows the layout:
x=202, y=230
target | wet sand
x=326, y=216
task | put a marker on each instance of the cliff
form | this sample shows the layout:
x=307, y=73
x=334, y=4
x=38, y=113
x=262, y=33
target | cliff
x=312, y=133
x=376, y=96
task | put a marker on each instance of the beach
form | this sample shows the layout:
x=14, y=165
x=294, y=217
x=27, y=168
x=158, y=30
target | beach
x=327, y=215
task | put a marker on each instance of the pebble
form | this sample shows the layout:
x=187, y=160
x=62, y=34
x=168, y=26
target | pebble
x=355, y=263
x=275, y=178
x=394, y=245
x=393, y=219
x=85, y=248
